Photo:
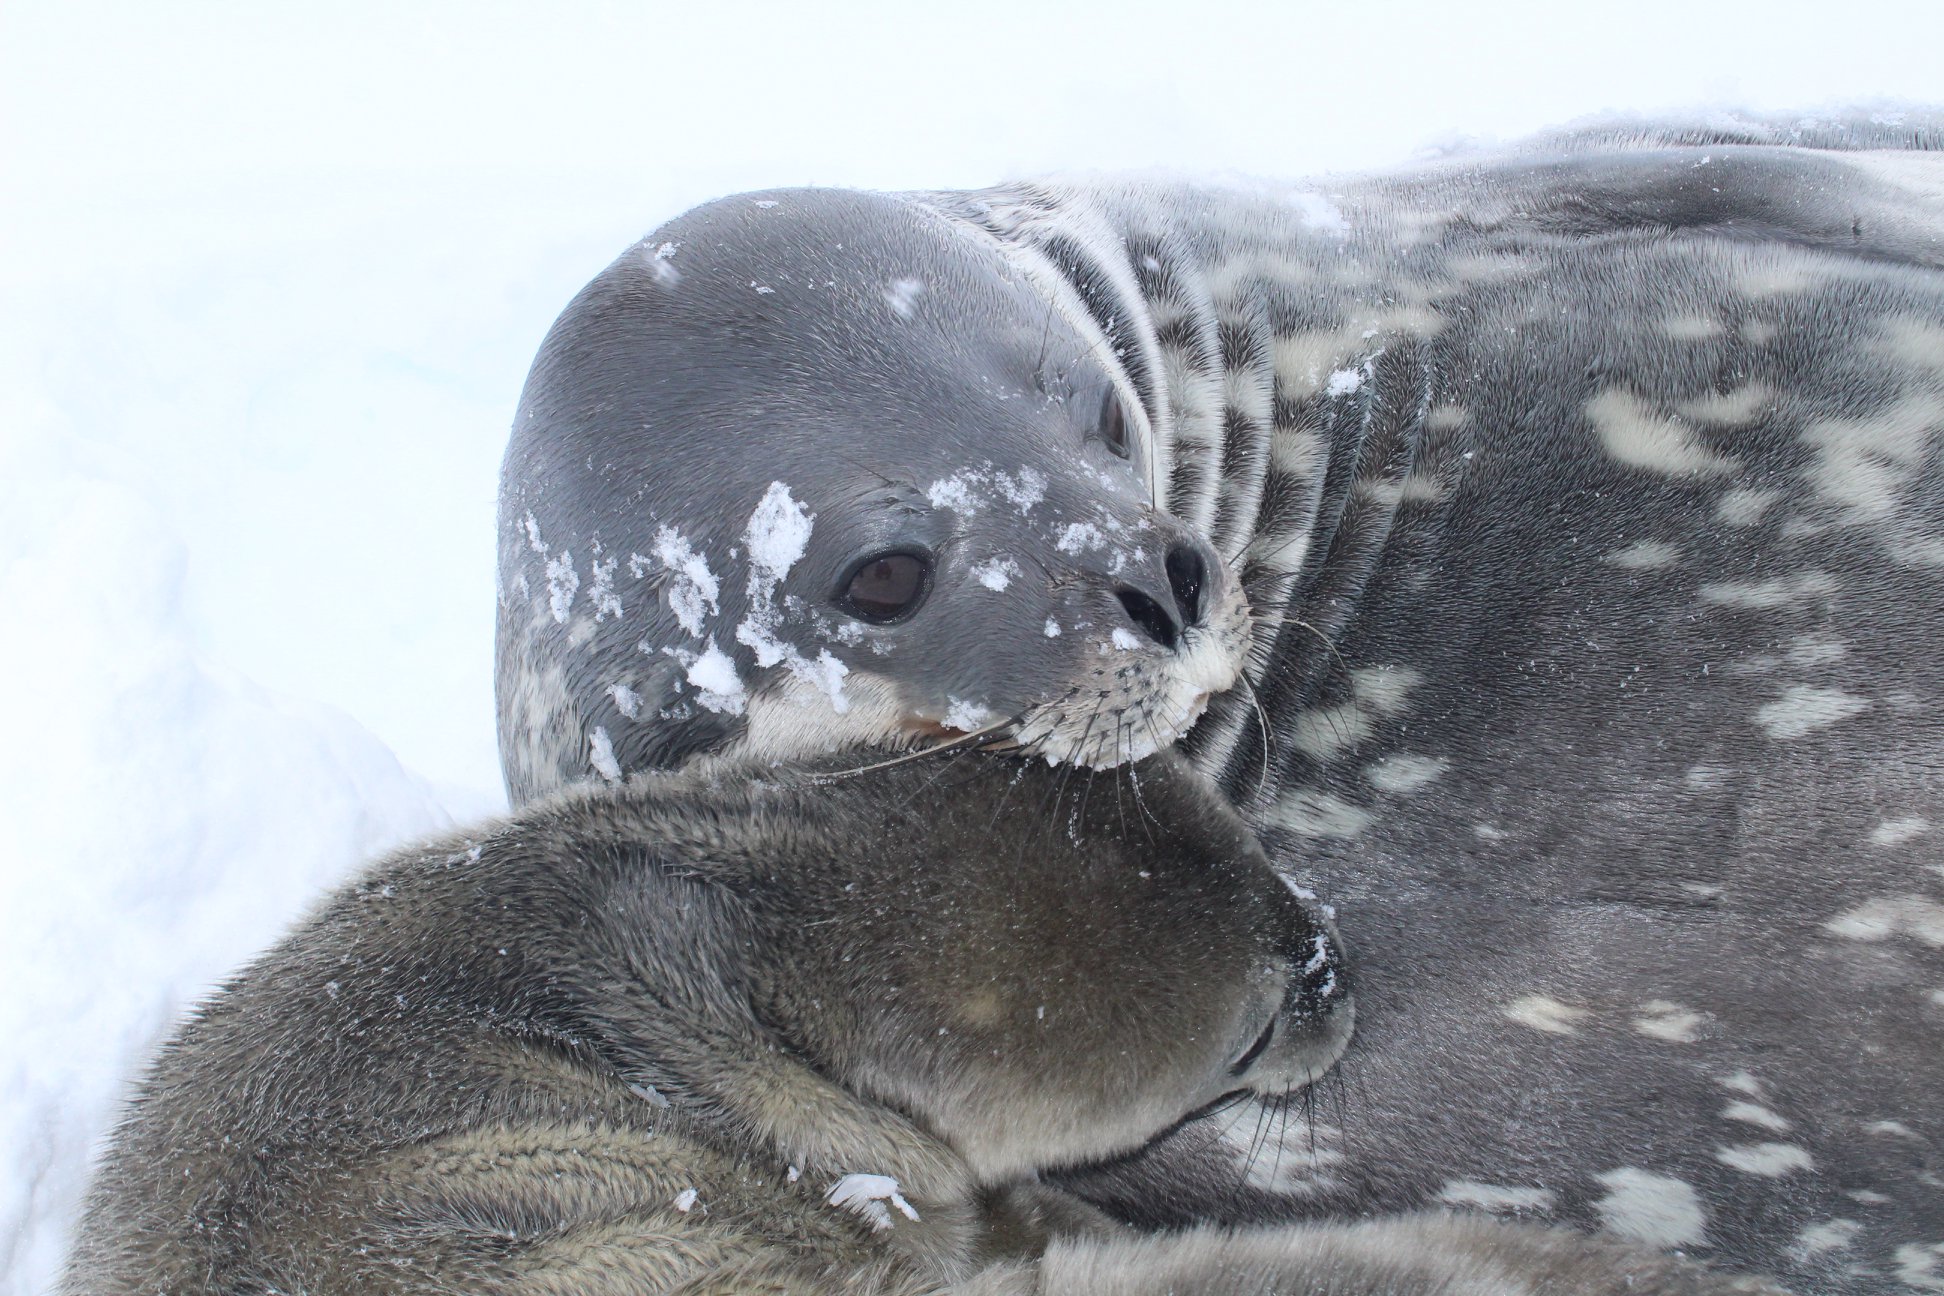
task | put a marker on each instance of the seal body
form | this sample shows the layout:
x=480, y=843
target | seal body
x=1602, y=496
x=712, y=1037
x=1587, y=505
x=698, y=1037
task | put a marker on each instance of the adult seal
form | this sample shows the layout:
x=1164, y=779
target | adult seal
x=1569, y=520
x=700, y=1036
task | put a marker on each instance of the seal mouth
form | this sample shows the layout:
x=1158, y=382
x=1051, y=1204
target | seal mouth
x=1097, y=727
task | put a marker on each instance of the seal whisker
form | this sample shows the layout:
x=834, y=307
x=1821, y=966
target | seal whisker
x=1262, y=727
x=959, y=743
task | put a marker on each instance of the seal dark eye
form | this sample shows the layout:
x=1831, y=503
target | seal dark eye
x=888, y=586
x=1113, y=426
x=1254, y=1050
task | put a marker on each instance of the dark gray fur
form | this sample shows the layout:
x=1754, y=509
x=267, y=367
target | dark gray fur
x=588, y=1050
x=494, y=1062
x=1589, y=499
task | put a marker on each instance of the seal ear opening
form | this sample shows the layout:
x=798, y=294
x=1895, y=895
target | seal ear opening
x=1112, y=428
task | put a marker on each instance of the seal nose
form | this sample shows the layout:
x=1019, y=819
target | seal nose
x=1187, y=573
x=1152, y=619
x=1187, y=576
x=1318, y=971
x=1317, y=1015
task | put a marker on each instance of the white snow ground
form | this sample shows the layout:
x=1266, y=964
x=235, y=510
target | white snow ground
x=270, y=277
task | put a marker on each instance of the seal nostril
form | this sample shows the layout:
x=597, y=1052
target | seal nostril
x=1187, y=573
x=1150, y=616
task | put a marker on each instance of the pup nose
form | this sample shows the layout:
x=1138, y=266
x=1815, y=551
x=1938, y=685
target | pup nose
x=1317, y=979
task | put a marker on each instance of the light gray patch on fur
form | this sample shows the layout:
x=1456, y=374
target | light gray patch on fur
x=1403, y=774
x=1829, y=1235
x=1734, y=408
x=1644, y=555
x=1804, y=708
x=1865, y=466
x=1544, y=1013
x=1915, y=916
x=1310, y=812
x=1692, y=328
x=1744, y=505
x=1642, y=437
x=1895, y=832
x=1656, y=1209
x=1497, y=1198
x=1771, y=1160
x=1755, y=1114
x=1921, y=1266
x=1777, y=591
x=1662, y=1020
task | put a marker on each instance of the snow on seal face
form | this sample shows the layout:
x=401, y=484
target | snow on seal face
x=775, y=541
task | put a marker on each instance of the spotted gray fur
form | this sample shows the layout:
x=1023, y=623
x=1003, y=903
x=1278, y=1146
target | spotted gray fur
x=1588, y=500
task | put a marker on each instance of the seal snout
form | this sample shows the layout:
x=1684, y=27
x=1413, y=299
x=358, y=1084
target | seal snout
x=1164, y=621
x=1313, y=1023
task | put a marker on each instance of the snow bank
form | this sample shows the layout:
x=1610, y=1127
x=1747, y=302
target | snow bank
x=162, y=816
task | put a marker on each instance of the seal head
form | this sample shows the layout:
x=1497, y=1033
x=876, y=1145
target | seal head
x=813, y=470
x=777, y=1033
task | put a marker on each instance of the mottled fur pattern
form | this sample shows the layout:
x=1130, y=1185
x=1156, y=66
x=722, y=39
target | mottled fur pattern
x=1595, y=533
x=1588, y=501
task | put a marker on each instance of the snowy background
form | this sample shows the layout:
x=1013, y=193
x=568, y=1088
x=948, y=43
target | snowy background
x=270, y=278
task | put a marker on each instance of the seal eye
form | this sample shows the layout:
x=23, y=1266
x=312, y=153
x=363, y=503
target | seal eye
x=1254, y=1050
x=1113, y=426
x=888, y=586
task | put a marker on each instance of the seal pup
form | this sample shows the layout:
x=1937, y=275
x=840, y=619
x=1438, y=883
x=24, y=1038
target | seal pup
x=785, y=1034
x=703, y=1037
x=1586, y=500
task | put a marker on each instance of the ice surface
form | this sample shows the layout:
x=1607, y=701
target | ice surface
x=713, y=673
x=1078, y=537
x=600, y=753
x=777, y=534
x=996, y=574
x=775, y=539
x=164, y=818
x=954, y=492
x=1344, y=381
x=966, y=716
